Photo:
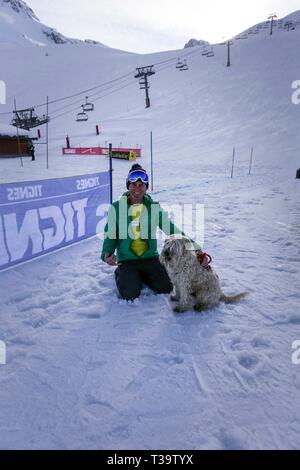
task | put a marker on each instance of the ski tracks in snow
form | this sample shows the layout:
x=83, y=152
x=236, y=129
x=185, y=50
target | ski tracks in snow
x=87, y=370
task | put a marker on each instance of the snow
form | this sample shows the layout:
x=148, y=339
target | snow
x=19, y=25
x=86, y=370
x=11, y=130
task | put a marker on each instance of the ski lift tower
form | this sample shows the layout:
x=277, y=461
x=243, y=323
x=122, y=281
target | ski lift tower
x=144, y=73
x=27, y=119
x=289, y=25
x=272, y=17
x=228, y=44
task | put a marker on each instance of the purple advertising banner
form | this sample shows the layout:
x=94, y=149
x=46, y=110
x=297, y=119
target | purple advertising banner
x=39, y=217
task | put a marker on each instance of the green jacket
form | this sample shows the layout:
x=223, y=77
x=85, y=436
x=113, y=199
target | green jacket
x=118, y=234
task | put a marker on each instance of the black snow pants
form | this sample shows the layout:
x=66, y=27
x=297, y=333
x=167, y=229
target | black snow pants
x=131, y=275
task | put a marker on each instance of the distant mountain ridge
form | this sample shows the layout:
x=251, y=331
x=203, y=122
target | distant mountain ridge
x=196, y=42
x=292, y=17
x=21, y=7
x=20, y=25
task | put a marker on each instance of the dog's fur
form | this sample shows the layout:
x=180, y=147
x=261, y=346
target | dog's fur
x=194, y=285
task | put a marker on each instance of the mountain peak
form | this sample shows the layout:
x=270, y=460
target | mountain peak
x=196, y=42
x=20, y=25
x=21, y=7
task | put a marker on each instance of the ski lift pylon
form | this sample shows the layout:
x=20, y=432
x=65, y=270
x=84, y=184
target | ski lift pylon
x=27, y=119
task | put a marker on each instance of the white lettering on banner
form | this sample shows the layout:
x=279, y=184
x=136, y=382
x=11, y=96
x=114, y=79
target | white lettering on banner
x=2, y=92
x=24, y=192
x=69, y=226
x=18, y=240
x=15, y=241
x=53, y=236
x=88, y=183
x=4, y=258
x=79, y=207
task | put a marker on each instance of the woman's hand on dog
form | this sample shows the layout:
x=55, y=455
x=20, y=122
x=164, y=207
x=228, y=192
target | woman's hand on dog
x=204, y=259
x=110, y=259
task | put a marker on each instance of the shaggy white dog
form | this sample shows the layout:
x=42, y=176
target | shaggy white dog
x=194, y=285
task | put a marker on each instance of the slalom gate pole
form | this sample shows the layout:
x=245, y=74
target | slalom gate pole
x=110, y=174
x=151, y=144
x=251, y=158
x=18, y=137
x=233, y=157
x=47, y=132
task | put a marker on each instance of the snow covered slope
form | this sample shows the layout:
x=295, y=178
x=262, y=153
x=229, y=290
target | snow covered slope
x=86, y=370
x=203, y=112
x=19, y=25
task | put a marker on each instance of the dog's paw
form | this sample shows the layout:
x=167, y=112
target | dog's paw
x=174, y=298
x=179, y=309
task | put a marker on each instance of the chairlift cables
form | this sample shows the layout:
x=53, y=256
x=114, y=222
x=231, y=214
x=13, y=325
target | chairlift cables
x=97, y=87
x=110, y=85
x=96, y=99
x=95, y=94
x=83, y=92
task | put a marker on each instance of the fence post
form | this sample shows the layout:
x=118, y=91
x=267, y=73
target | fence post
x=110, y=174
x=47, y=132
x=233, y=157
x=151, y=144
x=18, y=137
x=251, y=157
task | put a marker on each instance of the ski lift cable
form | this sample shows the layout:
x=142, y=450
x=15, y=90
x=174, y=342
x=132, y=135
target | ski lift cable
x=166, y=61
x=78, y=93
x=85, y=91
x=126, y=78
x=193, y=56
x=97, y=99
x=173, y=59
x=91, y=96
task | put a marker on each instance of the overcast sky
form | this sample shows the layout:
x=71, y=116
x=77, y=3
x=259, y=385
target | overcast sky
x=156, y=25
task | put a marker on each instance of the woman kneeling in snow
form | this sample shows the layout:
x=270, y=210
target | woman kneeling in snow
x=131, y=230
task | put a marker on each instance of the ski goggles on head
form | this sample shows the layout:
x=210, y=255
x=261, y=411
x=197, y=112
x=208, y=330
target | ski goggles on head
x=136, y=175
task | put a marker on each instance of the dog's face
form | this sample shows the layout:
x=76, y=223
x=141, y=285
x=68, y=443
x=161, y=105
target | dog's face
x=174, y=249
